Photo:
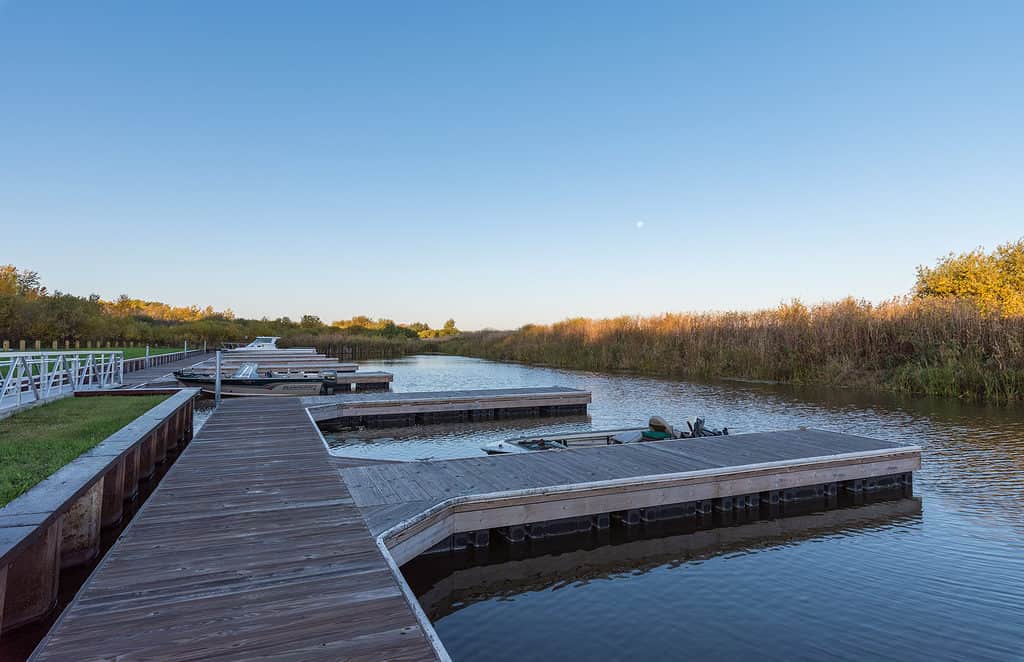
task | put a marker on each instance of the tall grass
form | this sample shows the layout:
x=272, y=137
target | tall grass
x=354, y=347
x=932, y=346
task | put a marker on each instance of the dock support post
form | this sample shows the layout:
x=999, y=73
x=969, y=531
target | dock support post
x=80, y=531
x=32, y=578
x=216, y=390
x=189, y=421
x=147, y=356
x=3, y=584
x=147, y=457
x=131, y=474
x=174, y=436
x=160, y=436
x=113, y=494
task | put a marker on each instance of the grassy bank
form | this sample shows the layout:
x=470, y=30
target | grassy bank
x=139, y=352
x=935, y=347
x=355, y=347
x=36, y=442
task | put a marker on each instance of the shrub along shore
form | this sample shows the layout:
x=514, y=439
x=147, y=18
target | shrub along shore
x=942, y=347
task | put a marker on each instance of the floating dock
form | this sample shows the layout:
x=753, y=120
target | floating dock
x=259, y=543
x=417, y=505
x=417, y=408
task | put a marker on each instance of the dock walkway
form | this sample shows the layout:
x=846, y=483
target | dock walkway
x=250, y=547
x=258, y=543
x=410, y=408
x=161, y=374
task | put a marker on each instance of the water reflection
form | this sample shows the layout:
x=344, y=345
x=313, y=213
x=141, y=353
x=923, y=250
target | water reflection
x=947, y=583
x=449, y=582
x=972, y=453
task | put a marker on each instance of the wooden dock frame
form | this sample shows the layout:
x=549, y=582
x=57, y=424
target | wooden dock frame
x=56, y=524
x=422, y=408
x=410, y=537
x=303, y=512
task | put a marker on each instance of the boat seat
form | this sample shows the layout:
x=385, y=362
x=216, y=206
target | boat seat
x=630, y=437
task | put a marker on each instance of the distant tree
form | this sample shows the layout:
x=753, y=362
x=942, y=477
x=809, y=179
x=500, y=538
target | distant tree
x=20, y=282
x=992, y=281
x=450, y=325
x=310, y=322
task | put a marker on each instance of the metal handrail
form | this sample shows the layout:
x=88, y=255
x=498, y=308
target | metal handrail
x=28, y=377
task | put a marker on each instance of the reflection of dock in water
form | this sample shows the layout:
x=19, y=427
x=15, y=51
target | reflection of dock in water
x=446, y=583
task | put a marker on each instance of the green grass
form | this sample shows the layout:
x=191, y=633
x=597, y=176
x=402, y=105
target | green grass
x=36, y=442
x=138, y=352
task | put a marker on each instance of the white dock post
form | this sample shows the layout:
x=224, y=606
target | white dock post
x=186, y=350
x=147, y=356
x=216, y=389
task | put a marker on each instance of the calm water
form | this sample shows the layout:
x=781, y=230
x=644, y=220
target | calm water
x=937, y=577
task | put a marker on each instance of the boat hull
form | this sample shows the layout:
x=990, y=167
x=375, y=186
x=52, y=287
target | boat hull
x=257, y=387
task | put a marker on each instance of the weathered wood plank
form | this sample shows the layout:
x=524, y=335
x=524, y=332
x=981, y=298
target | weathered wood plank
x=250, y=547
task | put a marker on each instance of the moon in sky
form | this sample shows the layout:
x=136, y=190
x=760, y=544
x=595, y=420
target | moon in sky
x=639, y=225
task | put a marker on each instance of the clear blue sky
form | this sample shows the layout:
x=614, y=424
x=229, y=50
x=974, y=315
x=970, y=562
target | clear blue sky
x=424, y=160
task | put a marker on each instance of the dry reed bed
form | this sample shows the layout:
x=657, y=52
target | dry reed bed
x=937, y=347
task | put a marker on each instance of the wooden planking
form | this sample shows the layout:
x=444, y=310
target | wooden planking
x=376, y=486
x=250, y=547
x=160, y=374
x=531, y=489
x=381, y=404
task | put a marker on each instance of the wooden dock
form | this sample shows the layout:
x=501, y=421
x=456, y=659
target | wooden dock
x=250, y=547
x=399, y=409
x=416, y=505
x=160, y=374
x=260, y=544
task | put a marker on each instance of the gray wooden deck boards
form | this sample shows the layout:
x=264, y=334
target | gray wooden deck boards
x=259, y=544
x=313, y=400
x=250, y=547
x=339, y=406
x=161, y=374
x=388, y=493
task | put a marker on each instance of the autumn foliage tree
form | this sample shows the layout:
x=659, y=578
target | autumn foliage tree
x=993, y=281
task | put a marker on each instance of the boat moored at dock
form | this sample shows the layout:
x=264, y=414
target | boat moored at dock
x=657, y=430
x=251, y=381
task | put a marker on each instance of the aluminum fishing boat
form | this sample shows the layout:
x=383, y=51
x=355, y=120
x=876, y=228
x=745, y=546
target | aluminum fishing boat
x=657, y=430
x=249, y=380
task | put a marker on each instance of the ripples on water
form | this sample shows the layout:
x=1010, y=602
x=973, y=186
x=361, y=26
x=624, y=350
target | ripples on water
x=944, y=583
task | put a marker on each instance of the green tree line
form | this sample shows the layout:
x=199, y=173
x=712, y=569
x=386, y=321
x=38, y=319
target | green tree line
x=29, y=311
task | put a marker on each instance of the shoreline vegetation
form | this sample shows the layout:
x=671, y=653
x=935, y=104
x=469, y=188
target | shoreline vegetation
x=931, y=347
x=959, y=333
x=38, y=441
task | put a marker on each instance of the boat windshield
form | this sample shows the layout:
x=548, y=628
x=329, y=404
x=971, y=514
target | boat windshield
x=245, y=371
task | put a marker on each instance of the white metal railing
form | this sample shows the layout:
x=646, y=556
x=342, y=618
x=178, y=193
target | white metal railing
x=28, y=377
